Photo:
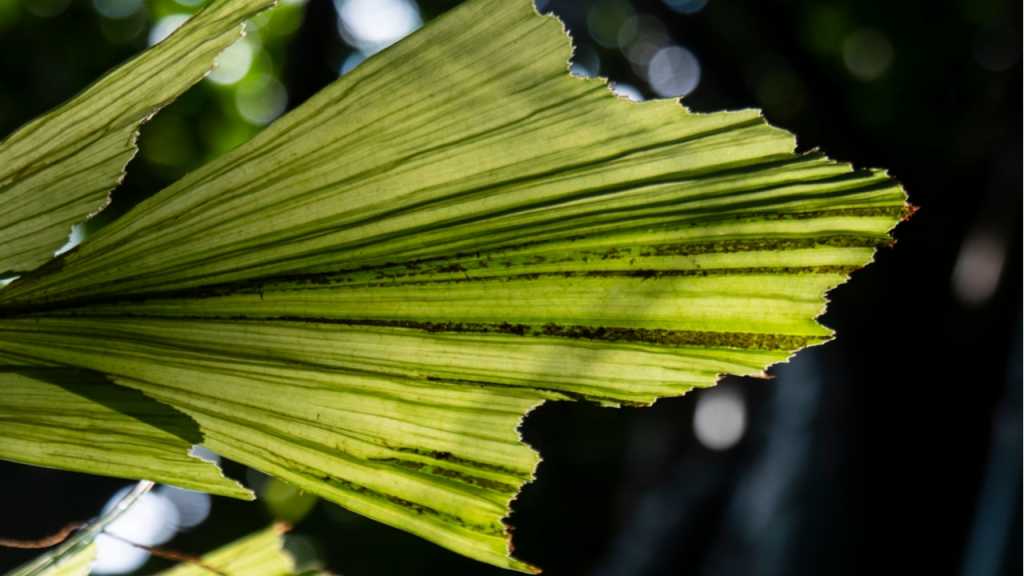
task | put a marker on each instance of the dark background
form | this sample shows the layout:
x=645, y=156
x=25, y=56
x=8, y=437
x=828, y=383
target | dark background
x=896, y=447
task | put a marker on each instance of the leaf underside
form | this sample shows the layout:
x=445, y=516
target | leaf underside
x=58, y=169
x=101, y=428
x=367, y=298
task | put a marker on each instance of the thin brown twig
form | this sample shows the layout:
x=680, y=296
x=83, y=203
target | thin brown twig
x=44, y=542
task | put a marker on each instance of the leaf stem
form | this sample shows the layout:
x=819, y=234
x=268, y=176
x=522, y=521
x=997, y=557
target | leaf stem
x=86, y=535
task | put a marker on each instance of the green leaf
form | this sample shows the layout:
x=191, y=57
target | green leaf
x=76, y=563
x=259, y=554
x=367, y=298
x=78, y=420
x=439, y=459
x=73, y=562
x=59, y=169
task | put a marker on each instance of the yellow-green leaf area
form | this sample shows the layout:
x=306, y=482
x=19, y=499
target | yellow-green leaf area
x=79, y=420
x=259, y=554
x=60, y=168
x=366, y=299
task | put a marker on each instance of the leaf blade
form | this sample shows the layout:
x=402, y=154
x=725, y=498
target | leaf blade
x=75, y=563
x=258, y=554
x=495, y=146
x=80, y=421
x=60, y=168
x=374, y=291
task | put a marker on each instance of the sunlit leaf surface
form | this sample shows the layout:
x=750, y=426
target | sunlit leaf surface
x=77, y=420
x=58, y=169
x=260, y=554
x=76, y=563
x=366, y=298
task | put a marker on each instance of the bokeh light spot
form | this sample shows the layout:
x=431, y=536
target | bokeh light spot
x=165, y=26
x=641, y=36
x=261, y=100
x=115, y=556
x=351, y=61
x=627, y=91
x=285, y=501
x=151, y=521
x=867, y=54
x=979, y=267
x=124, y=30
x=605, y=18
x=193, y=507
x=234, y=62
x=585, y=62
x=372, y=25
x=673, y=71
x=720, y=418
x=117, y=8
x=686, y=6
x=46, y=8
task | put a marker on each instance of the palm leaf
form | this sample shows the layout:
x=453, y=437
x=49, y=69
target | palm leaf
x=259, y=554
x=75, y=563
x=367, y=298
